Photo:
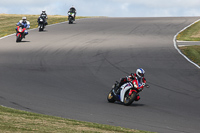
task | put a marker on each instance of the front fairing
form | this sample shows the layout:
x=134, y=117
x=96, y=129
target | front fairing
x=41, y=21
x=71, y=14
x=20, y=29
x=124, y=88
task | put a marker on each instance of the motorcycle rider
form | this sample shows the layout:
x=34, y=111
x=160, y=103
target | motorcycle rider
x=72, y=10
x=139, y=77
x=44, y=15
x=26, y=25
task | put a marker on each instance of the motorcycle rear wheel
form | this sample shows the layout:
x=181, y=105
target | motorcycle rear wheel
x=128, y=99
x=110, y=97
x=70, y=20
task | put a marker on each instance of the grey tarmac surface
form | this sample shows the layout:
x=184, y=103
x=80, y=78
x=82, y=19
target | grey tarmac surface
x=68, y=70
x=187, y=43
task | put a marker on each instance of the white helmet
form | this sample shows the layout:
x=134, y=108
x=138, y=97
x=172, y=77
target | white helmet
x=140, y=72
x=24, y=19
x=43, y=11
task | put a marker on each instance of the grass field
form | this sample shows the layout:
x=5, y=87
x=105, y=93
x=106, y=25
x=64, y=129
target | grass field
x=192, y=52
x=191, y=34
x=12, y=120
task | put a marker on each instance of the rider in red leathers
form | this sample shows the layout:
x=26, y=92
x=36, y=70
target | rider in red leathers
x=137, y=79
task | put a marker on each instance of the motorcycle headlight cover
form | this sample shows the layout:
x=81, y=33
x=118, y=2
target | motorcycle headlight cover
x=20, y=29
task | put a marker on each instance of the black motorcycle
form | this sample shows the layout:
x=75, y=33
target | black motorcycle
x=41, y=23
x=71, y=17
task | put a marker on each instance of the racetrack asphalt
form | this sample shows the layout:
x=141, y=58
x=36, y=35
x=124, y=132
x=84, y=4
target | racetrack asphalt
x=68, y=70
x=187, y=43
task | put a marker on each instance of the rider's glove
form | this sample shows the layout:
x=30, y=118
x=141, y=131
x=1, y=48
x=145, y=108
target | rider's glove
x=143, y=84
x=140, y=89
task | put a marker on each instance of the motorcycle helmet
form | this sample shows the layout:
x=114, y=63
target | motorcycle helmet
x=43, y=11
x=24, y=19
x=140, y=72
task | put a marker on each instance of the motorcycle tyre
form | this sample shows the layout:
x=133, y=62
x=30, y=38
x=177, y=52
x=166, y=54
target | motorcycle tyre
x=128, y=100
x=18, y=38
x=70, y=21
x=110, y=97
x=41, y=29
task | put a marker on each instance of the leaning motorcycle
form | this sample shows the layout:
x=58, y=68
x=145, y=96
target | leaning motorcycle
x=20, y=33
x=71, y=17
x=127, y=95
x=41, y=23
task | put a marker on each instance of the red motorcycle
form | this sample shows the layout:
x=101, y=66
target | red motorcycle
x=127, y=94
x=20, y=33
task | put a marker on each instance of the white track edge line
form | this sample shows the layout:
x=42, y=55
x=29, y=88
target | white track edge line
x=175, y=44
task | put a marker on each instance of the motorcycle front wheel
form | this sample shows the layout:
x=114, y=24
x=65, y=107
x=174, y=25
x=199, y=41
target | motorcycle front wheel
x=70, y=20
x=41, y=27
x=128, y=99
x=18, y=38
x=110, y=97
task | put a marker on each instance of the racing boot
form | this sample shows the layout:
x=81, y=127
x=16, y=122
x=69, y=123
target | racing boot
x=137, y=97
x=23, y=35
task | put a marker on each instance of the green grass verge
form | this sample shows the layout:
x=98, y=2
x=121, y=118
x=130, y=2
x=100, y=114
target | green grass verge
x=192, y=33
x=8, y=22
x=192, y=52
x=12, y=120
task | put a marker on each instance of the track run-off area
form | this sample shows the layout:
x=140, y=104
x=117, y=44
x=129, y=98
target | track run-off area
x=68, y=69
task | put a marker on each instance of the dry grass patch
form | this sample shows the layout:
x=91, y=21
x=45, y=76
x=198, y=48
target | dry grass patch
x=21, y=121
